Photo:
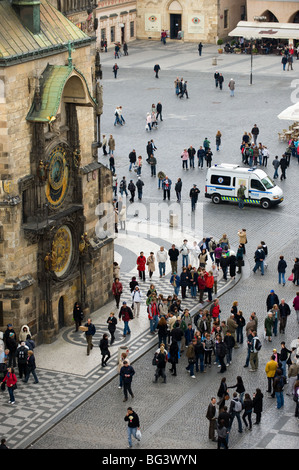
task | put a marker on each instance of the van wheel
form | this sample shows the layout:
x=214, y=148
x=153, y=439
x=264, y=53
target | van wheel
x=216, y=199
x=265, y=203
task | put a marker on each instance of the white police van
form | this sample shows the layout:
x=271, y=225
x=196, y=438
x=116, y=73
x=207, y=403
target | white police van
x=224, y=180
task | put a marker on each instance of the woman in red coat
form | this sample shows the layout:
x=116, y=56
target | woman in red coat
x=117, y=289
x=141, y=262
x=209, y=284
x=201, y=286
x=10, y=380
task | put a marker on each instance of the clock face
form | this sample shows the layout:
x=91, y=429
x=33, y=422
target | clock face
x=58, y=177
x=62, y=249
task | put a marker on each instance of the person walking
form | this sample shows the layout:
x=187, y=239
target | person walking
x=103, y=345
x=161, y=360
x=159, y=111
x=139, y=186
x=141, y=263
x=127, y=372
x=150, y=262
x=241, y=196
x=156, y=70
x=193, y=194
x=31, y=367
x=89, y=333
x=136, y=300
x=10, y=380
x=162, y=257
x=218, y=140
x=199, y=48
x=231, y=86
x=132, y=189
x=78, y=315
x=255, y=346
x=133, y=425
x=276, y=165
x=125, y=314
x=247, y=406
x=115, y=69
x=117, y=290
x=220, y=81
x=173, y=357
x=112, y=322
x=259, y=257
x=235, y=411
x=283, y=166
x=257, y=403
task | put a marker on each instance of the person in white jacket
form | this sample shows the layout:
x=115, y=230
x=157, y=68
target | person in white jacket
x=194, y=251
x=185, y=253
x=161, y=260
x=136, y=299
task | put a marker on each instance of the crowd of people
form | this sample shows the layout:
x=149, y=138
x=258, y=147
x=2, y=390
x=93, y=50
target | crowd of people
x=16, y=351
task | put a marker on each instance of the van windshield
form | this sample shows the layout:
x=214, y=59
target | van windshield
x=268, y=183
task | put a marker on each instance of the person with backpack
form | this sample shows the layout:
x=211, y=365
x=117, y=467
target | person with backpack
x=21, y=354
x=255, y=346
x=235, y=411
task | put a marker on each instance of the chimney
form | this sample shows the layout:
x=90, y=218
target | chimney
x=29, y=13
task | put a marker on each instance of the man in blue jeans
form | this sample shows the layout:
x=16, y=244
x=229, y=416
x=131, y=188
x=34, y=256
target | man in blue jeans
x=278, y=384
x=235, y=411
x=161, y=259
x=276, y=164
x=133, y=425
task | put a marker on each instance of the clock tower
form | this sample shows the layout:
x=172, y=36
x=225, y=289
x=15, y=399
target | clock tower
x=53, y=182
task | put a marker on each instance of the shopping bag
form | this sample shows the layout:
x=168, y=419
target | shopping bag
x=138, y=434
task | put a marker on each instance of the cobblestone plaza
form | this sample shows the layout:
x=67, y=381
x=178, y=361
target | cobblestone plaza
x=77, y=404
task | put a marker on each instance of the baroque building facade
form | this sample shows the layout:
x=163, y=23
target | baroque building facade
x=193, y=21
x=56, y=242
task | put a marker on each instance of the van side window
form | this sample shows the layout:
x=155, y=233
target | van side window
x=256, y=184
x=220, y=180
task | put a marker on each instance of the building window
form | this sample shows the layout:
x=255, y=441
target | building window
x=225, y=19
x=112, y=34
x=132, y=29
x=103, y=33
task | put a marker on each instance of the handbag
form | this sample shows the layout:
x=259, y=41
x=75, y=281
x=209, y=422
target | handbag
x=291, y=277
x=14, y=387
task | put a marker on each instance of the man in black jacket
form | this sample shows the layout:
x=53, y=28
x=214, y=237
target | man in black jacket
x=133, y=424
x=159, y=111
x=173, y=254
x=127, y=373
x=194, y=192
x=132, y=159
x=284, y=312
